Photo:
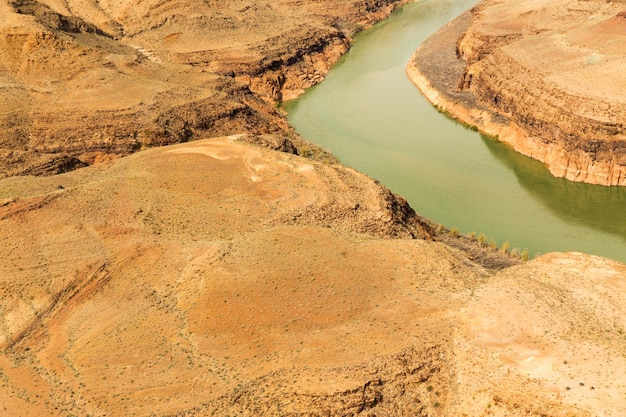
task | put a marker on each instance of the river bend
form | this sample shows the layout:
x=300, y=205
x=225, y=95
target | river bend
x=370, y=116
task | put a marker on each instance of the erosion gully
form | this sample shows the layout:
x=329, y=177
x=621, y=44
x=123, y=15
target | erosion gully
x=370, y=116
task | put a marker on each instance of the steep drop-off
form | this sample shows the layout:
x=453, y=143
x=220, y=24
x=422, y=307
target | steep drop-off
x=545, y=77
x=82, y=82
x=219, y=277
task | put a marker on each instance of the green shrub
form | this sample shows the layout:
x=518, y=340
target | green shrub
x=525, y=255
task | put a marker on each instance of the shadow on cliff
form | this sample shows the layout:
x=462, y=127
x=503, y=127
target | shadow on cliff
x=596, y=206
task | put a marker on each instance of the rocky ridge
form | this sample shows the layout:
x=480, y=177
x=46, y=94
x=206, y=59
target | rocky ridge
x=82, y=82
x=533, y=70
x=219, y=277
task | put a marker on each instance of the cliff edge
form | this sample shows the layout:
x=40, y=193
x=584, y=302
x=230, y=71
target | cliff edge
x=86, y=81
x=219, y=277
x=544, y=77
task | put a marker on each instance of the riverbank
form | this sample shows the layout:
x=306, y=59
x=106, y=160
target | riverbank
x=480, y=69
x=85, y=84
x=230, y=276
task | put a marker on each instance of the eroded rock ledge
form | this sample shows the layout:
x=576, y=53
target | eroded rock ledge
x=546, y=80
x=82, y=82
x=219, y=278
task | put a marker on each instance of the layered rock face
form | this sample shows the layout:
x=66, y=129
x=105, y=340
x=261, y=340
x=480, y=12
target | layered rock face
x=219, y=277
x=81, y=82
x=554, y=71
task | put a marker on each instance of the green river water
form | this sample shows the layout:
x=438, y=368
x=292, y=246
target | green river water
x=370, y=116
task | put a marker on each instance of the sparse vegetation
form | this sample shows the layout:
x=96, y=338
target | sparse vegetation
x=524, y=255
x=505, y=247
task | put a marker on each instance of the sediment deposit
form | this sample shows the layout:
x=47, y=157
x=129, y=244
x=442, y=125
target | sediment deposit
x=545, y=77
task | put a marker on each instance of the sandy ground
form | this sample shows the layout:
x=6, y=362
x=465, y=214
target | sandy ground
x=217, y=277
x=220, y=277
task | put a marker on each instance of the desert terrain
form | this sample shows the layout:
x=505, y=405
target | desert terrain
x=82, y=82
x=545, y=77
x=222, y=278
x=231, y=276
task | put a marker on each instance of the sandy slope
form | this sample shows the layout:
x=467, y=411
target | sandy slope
x=219, y=277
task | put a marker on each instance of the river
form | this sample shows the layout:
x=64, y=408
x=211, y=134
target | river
x=370, y=116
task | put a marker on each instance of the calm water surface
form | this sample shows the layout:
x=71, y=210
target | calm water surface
x=369, y=115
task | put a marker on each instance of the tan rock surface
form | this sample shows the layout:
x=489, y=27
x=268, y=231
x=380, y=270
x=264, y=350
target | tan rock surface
x=84, y=81
x=544, y=76
x=220, y=278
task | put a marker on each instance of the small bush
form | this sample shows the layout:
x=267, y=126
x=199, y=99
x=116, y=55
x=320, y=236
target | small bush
x=525, y=255
x=505, y=247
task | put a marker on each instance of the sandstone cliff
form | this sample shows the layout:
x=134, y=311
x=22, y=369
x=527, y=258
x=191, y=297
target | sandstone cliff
x=82, y=82
x=219, y=277
x=545, y=77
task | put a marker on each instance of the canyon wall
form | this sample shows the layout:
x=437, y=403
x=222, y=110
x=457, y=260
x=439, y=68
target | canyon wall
x=547, y=78
x=219, y=277
x=83, y=82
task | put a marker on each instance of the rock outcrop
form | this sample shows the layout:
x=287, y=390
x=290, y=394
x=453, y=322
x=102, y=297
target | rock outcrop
x=545, y=78
x=82, y=82
x=222, y=278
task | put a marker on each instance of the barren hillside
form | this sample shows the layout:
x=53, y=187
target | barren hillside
x=84, y=81
x=221, y=278
x=546, y=77
x=232, y=277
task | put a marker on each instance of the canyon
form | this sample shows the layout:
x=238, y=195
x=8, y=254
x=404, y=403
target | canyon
x=218, y=277
x=544, y=77
x=241, y=270
x=85, y=82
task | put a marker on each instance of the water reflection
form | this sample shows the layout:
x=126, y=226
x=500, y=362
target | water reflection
x=369, y=115
x=593, y=205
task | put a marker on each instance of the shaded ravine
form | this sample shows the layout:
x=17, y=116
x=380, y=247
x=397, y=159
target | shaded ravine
x=370, y=116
